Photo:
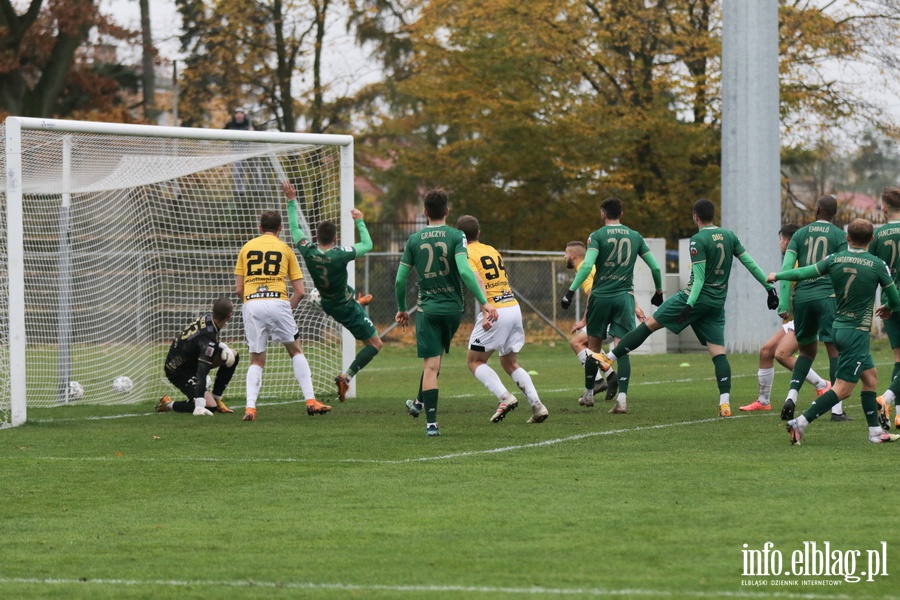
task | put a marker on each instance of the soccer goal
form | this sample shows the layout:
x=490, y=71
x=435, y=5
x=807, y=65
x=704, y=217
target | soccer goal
x=117, y=236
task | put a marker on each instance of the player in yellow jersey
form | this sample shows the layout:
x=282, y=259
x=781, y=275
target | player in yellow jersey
x=506, y=336
x=575, y=251
x=263, y=265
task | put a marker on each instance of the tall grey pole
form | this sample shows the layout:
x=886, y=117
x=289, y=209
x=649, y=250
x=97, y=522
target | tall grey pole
x=751, y=187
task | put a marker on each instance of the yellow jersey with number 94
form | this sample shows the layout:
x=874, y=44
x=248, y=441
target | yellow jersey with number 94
x=487, y=262
x=265, y=263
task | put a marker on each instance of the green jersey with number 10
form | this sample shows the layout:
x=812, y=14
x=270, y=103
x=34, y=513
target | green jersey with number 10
x=810, y=245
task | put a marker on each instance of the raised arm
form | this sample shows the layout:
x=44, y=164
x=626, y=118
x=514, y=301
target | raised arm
x=365, y=240
x=290, y=193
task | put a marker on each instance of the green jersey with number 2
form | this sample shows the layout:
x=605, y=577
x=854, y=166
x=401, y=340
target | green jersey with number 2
x=717, y=248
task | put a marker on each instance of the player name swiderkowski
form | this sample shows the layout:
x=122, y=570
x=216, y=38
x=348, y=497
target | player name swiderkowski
x=815, y=560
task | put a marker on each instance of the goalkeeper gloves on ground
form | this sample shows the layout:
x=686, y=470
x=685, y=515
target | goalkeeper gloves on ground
x=685, y=313
x=656, y=300
x=566, y=301
x=772, y=300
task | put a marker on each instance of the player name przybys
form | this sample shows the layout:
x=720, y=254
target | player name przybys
x=815, y=559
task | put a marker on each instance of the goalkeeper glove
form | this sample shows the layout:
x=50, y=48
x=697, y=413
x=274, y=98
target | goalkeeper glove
x=656, y=300
x=566, y=301
x=685, y=313
x=772, y=300
x=228, y=355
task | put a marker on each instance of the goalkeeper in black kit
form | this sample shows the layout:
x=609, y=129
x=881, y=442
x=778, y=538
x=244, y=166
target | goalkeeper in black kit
x=192, y=355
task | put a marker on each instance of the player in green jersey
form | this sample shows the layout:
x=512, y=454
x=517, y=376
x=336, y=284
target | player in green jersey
x=855, y=276
x=781, y=347
x=327, y=264
x=702, y=304
x=438, y=254
x=611, y=305
x=886, y=246
x=813, y=300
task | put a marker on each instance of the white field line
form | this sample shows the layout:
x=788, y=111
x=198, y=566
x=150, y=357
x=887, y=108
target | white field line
x=418, y=589
x=502, y=449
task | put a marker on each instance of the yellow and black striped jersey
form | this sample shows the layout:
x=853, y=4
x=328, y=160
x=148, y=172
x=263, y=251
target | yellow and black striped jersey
x=487, y=262
x=266, y=263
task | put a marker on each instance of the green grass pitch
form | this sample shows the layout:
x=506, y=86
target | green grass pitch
x=121, y=502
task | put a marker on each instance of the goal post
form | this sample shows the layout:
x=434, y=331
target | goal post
x=117, y=236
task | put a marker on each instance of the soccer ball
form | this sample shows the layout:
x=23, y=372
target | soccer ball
x=123, y=384
x=76, y=392
x=314, y=298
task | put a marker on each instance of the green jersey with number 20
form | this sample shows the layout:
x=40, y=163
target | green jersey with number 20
x=618, y=248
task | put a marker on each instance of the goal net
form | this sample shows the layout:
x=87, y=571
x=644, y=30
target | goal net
x=117, y=236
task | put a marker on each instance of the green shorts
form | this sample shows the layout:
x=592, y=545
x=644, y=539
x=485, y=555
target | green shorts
x=892, y=329
x=435, y=332
x=813, y=319
x=707, y=321
x=610, y=314
x=352, y=316
x=854, y=355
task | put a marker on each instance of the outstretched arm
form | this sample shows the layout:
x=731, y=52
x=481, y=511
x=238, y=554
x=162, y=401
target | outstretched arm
x=754, y=269
x=798, y=274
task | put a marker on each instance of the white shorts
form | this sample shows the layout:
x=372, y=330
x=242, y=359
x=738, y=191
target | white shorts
x=266, y=320
x=789, y=326
x=506, y=334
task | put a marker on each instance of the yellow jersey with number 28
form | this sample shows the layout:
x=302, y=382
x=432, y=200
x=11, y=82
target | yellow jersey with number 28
x=266, y=263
